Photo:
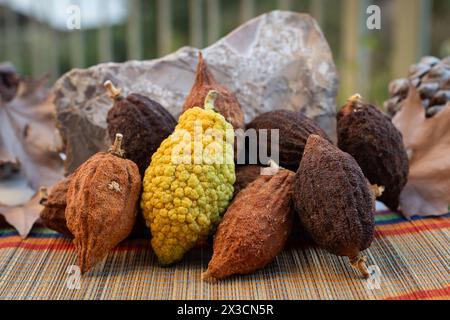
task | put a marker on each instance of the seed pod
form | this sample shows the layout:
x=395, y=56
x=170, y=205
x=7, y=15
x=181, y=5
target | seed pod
x=334, y=202
x=144, y=123
x=255, y=227
x=101, y=204
x=294, y=129
x=227, y=104
x=53, y=215
x=371, y=138
x=430, y=76
x=246, y=175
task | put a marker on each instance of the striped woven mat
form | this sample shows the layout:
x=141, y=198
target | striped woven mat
x=408, y=259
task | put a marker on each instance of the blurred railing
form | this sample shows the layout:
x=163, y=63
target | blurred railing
x=37, y=49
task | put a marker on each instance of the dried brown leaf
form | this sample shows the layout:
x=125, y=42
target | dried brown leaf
x=28, y=133
x=29, y=139
x=22, y=217
x=427, y=141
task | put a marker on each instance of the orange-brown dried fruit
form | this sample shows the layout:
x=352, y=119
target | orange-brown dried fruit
x=255, y=227
x=371, y=138
x=226, y=104
x=102, y=201
x=143, y=122
x=53, y=215
x=294, y=129
x=334, y=201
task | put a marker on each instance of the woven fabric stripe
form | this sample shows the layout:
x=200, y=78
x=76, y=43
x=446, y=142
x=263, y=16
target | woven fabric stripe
x=413, y=256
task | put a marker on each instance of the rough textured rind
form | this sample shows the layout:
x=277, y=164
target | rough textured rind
x=227, y=104
x=372, y=139
x=294, y=130
x=144, y=124
x=246, y=175
x=333, y=199
x=53, y=215
x=431, y=78
x=254, y=228
x=182, y=202
x=101, y=206
x=299, y=75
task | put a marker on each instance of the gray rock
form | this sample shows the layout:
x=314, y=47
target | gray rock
x=279, y=60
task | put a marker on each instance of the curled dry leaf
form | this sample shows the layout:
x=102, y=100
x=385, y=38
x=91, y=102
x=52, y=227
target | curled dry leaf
x=28, y=134
x=427, y=142
x=227, y=104
x=28, y=141
x=22, y=217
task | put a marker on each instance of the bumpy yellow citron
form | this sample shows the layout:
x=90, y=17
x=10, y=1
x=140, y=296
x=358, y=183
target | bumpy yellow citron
x=189, y=182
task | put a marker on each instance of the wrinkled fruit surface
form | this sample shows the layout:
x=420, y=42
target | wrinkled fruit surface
x=372, y=139
x=294, y=129
x=101, y=205
x=255, y=227
x=182, y=203
x=333, y=200
x=53, y=215
x=144, y=124
x=227, y=104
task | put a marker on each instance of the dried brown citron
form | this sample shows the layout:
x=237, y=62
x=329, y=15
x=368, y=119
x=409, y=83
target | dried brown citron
x=102, y=200
x=227, y=104
x=371, y=138
x=143, y=122
x=294, y=129
x=54, y=202
x=255, y=227
x=334, y=201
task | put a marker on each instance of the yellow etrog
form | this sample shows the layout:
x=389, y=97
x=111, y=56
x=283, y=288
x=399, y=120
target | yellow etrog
x=189, y=182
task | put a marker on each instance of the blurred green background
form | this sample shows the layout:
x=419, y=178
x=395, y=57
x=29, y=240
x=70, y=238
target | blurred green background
x=35, y=38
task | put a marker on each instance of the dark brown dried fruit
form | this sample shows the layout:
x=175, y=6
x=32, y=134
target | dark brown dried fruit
x=372, y=139
x=102, y=203
x=431, y=77
x=255, y=227
x=334, y=202
x=9, y=82
x=53, y=215
x=294, y=129
x=246, y=175
x=143, y=122
x=227, y=104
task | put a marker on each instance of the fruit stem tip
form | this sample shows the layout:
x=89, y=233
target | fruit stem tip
x=113, y=92
x=355, y=98
x=116, y=148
